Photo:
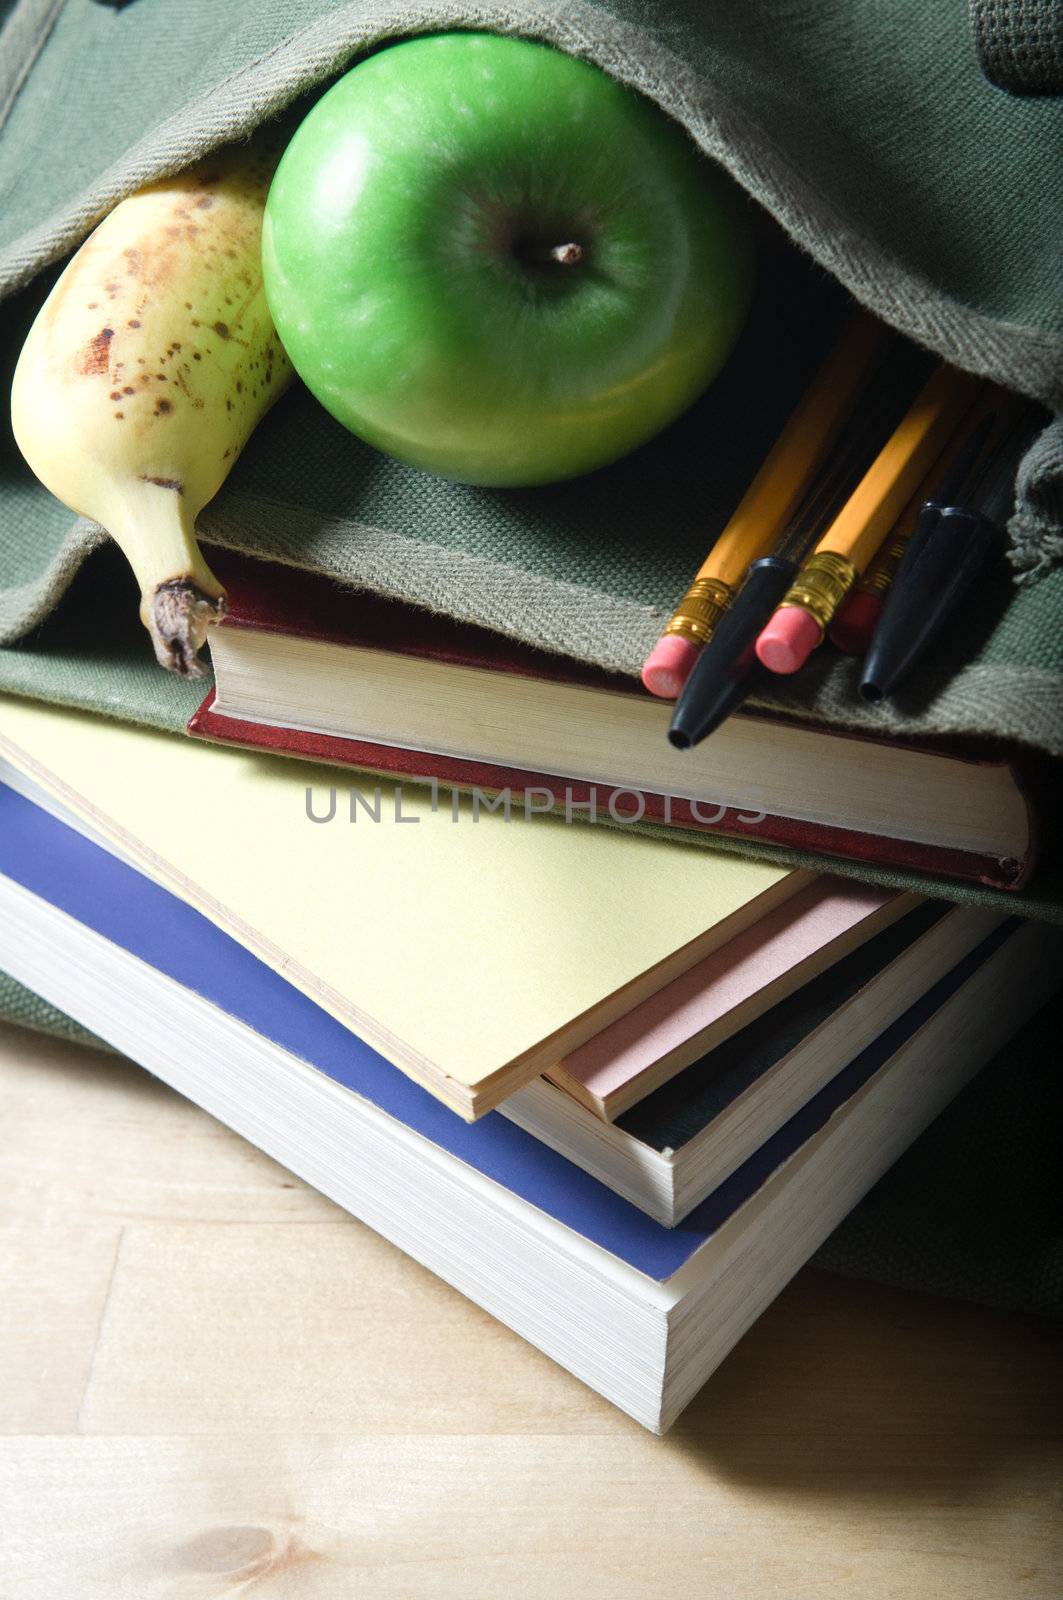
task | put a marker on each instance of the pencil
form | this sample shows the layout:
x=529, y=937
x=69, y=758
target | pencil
x=855, y=622
x=726, y=670
x=768, y=503
x=850, y=543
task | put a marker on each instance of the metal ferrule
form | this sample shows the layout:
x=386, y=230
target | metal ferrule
x=821, y=586
x=700, y=609
x=882, y=571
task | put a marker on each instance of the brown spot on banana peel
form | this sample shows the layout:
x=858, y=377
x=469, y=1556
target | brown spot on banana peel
x=97, y=353
x=177, y=616
x=164, y=483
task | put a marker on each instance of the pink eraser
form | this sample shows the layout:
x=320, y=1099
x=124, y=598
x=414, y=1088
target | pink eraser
x=668, y=666
x=788, y=640
x=852, y=628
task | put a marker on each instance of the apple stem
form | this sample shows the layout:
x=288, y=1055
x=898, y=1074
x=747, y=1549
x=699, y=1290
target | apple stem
x=564, y=255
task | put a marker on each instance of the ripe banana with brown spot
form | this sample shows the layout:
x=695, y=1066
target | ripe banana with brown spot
x=145, y=373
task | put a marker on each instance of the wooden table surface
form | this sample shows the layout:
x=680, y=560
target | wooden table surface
x=215, y=1383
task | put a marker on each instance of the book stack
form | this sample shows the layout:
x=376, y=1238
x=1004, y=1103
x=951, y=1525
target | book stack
x=614, y=1087
x=431, y=914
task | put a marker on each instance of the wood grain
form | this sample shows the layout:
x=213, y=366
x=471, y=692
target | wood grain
x=215, y=1384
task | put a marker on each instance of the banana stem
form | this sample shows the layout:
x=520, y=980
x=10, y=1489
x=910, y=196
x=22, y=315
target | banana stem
x=177, y=616
x=179, y=595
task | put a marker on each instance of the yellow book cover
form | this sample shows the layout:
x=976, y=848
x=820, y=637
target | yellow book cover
x=471, y=950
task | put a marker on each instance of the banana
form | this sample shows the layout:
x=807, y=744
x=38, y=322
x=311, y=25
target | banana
x=145, y=373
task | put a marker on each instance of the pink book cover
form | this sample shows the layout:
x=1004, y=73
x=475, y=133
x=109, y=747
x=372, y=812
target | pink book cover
x=736, y=984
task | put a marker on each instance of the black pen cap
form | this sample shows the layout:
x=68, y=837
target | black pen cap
x=727, y=667
x=942, y=561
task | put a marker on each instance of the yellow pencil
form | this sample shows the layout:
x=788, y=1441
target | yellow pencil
x=859, y=612
x=772, y=497
x=851, y=541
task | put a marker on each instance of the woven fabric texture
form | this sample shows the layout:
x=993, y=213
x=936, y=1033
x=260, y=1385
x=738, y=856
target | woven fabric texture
x=942, y=211
x=1020, y=44
x=21, y=1006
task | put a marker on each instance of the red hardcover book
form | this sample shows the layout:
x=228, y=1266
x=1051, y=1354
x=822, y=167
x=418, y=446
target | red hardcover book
x=307, y=669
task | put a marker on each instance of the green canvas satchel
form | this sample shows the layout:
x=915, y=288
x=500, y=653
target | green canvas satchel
x=864, y=131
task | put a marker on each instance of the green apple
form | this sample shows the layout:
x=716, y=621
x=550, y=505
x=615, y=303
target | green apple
x=490, y=259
